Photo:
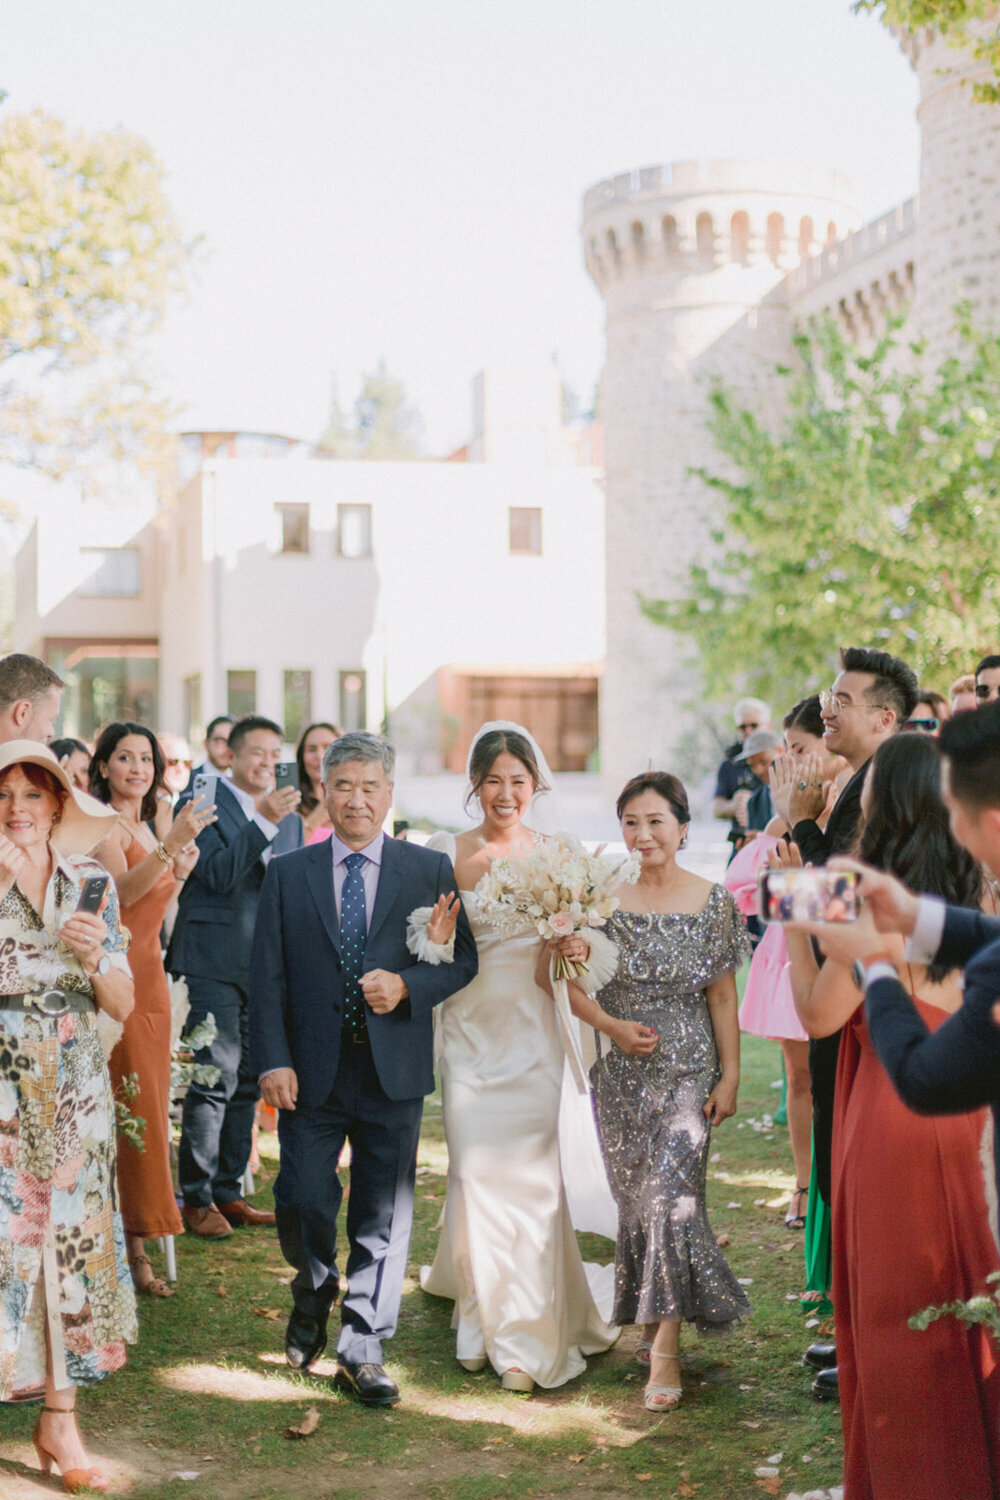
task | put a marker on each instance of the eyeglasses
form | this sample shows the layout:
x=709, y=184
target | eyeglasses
x=986, y=690
x=747, y=728
x=829, y=701
x=923, y=726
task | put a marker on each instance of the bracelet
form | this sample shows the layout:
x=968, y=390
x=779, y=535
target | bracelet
x=161, y=852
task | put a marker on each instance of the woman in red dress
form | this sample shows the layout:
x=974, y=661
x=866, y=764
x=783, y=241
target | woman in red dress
x=126, y=770
x=911, y=1226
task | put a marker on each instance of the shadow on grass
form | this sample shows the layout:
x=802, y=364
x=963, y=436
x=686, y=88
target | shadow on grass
x=206, y=1391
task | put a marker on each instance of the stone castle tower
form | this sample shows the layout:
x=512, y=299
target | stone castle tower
x=704, y=269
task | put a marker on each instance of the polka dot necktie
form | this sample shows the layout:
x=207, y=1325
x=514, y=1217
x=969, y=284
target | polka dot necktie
x=353, y=935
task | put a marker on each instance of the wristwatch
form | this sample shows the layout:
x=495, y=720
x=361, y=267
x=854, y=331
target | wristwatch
x=860, y=967
x=103, y=965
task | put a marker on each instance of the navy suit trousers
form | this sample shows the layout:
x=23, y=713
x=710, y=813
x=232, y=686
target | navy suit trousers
x=383, y=1134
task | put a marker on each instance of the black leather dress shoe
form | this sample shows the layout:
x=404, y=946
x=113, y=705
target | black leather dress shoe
x=825, y=1386
x=305, y=1340
x=821, y=1356
x=368, y=1384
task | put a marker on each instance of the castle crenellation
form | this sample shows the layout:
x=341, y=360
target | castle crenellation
x=705, y=268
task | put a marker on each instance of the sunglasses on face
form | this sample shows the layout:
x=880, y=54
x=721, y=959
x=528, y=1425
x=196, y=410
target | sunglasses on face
x=923, y=726
x=747, y=728
x=986, y=690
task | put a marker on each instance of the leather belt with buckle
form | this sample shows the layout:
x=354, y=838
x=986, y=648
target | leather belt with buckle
x=49, y=1002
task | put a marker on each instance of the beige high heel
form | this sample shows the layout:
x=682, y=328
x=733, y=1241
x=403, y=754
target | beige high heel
x=74, y=1481
x=517, y=1380
x=657, y=1397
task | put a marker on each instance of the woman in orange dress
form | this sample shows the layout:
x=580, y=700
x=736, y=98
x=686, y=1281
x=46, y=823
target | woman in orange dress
x=126, y=771
x=911, y=1223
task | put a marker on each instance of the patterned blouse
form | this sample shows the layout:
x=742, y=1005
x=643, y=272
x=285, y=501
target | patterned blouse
x=32, y=960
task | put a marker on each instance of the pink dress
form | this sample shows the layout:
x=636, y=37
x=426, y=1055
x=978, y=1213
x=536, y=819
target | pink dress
x=768, y=1008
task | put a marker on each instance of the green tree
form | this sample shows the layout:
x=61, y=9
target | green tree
x=956, y=20
x=90, y=254
x=385, y=426
x=868, y=512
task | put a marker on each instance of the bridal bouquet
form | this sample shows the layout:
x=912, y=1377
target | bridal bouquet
x=558, y=889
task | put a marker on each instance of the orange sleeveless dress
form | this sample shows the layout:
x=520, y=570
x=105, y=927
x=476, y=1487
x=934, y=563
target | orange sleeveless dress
x=911, y=1228
x=149, y=1207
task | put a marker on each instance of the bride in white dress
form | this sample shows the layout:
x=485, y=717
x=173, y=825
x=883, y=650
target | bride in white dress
x=524, y=1301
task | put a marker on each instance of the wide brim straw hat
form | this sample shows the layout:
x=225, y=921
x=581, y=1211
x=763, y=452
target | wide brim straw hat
x=84, y=821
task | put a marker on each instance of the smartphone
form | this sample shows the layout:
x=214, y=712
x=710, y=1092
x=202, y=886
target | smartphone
x=92, y=893
x=286, y=773
x=203, y=789
x=809, y=895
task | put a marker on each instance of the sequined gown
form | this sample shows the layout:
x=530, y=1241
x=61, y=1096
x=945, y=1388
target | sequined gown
x=654, y=1134
x=507, y=1254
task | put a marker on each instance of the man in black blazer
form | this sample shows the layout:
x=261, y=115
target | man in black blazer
x=957, y=1067
x=342, y=994
x=210, y=946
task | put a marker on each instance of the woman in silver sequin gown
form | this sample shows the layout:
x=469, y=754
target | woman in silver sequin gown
x=670, y=1073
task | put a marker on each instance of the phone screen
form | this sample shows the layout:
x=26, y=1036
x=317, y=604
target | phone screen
x=807, y=895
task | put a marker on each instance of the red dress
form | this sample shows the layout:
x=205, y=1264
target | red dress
x=145, y=1183
x=911, y=1228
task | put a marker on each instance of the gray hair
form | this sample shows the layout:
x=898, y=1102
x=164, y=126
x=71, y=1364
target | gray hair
x=359, y=745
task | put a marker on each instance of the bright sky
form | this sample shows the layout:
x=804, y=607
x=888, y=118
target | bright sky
x=404, y=177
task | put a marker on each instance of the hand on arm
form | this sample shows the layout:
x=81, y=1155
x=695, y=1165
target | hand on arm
x=631, y=1036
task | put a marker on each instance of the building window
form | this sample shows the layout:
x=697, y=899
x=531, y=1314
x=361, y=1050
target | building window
x=354, y=530
x=297, y=703
x=194, y=724
x=294, y=527
x=353, y=704
x=115, y=572
x=241, y=693
x=525, y=531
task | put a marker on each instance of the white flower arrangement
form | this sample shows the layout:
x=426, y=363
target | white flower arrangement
x=558, y=889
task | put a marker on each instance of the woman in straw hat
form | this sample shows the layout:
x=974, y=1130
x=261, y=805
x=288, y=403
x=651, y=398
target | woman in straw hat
x=67, y=1308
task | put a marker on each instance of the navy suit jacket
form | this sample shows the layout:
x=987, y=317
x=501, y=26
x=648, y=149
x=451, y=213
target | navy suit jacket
x=296, y=985
x=213, y=933
x=957, y=1067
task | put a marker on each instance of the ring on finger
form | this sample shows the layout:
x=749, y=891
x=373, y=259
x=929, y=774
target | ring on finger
x=802, y=786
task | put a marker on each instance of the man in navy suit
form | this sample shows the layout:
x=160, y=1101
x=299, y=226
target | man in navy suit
x=341, y=1034
x=957, y=1067
x=210, y=946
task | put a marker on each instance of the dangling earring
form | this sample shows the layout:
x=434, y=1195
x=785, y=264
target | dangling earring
x=56, y=818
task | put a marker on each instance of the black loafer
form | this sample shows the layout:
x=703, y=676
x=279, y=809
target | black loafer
x=367, y=1383
x=825, y=1386
x=305, y=1340
x=820, y=1356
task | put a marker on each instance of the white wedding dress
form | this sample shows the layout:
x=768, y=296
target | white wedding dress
x=507, y=1254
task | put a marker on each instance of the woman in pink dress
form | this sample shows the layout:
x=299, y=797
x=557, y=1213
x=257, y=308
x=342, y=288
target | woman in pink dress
x=768, y=1009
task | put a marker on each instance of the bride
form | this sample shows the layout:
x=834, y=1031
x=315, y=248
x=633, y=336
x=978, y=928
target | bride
x=507, y=1255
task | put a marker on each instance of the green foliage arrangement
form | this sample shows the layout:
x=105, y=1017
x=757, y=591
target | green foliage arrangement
x=985, y=1310
x=956, y=21
x=865, y=512
x=129, y=1126
x=183, y=1068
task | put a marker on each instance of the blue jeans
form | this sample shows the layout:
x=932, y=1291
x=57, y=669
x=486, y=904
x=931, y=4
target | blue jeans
x=217, y=1119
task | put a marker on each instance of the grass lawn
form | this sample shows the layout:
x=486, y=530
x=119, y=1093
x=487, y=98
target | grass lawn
x=206, y=1393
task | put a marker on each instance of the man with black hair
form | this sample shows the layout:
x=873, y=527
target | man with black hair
x=210, y=946
x=957, y=1067
x=871, y=699
x=988, y=680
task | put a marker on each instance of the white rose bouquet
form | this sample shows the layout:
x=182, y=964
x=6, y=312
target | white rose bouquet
x=559, y=889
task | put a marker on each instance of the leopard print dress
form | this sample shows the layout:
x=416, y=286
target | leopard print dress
x=63, y=1266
